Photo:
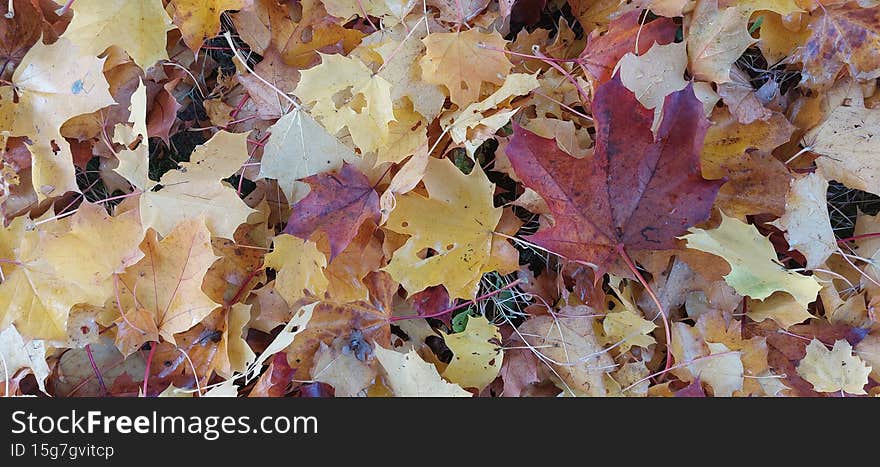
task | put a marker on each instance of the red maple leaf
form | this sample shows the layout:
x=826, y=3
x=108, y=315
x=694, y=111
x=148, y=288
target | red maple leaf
x=636, y=191
x=337, y=206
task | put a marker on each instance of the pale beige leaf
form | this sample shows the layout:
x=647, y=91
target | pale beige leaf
x=834, y=370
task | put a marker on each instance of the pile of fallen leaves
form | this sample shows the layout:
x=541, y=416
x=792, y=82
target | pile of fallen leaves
x=440, y=198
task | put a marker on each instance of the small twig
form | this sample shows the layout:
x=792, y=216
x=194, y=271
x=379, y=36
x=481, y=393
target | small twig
x=96, y=370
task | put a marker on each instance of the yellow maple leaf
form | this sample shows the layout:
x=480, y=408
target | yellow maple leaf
x=629, y=329
x=834, y=370
x=199, y=20
x=167, y=282
x=753, y=268
x=300, y=267
x=484, y=116
x=456, y=221
x=53, y=83
x=780, y=307
x=407, y=375
x=134, y=163
x=233, y=352
x=477, y=354
x=138, y=27
x=68, y=261
x=344, y=93
x=463, y=61
x=196, y=189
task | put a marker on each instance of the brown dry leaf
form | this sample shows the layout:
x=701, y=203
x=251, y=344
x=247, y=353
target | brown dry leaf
x=569, y=345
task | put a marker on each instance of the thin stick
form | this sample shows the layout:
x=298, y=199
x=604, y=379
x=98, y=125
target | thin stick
x=632, y=267
x=96, y=370
x=228, y=37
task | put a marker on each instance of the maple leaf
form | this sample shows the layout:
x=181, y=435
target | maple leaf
x=450, y=58
x=52, y=83
x=347, y=271
x=602, y=53
x=299, y=265
x=340, y=366
x=806, y=222
x=299, y=147
x=234, y=354
x=844, y=36
x=724, y=373
x=568, y=344
x=163, y=112
x=834, y=370
x=655, y=74
x=756, y=182
x=20, y=354
x=139, y=28
x=134, y=163
x=849, y=139
x=199, y=20
x=167, y=282
x=365, y=107
x=408, y=375
x=18, y=33
x=629, y=329
x=196, y=189
x=456, y=221
x=635, y=192
x=336, y=207
x=391, y=11
x=73, y=260
x=715, y=39
x=400, y=50
x=753, y=268
x=780, y=307
x=477, y=122
x=741, y=98
x=316, y=32
x=477, y=356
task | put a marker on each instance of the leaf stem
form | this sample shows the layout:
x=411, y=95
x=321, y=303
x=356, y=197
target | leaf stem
x=632, y=267
x=153, y=346
x=859, y=237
